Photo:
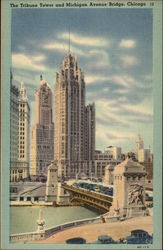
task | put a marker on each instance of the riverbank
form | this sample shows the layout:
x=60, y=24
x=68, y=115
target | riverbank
x=31, y=203
x=43, y=203
x=40, y=204
x=116, y=230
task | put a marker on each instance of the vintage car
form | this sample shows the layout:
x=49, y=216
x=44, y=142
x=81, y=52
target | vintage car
x=139, y=237
x=149, y=201
x=77, y=240
x=105, y=239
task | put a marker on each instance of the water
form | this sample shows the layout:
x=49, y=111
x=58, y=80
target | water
x=24, y=219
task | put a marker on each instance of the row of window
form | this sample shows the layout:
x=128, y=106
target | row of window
x=22, y=105
x=21, y=128
x=118, y=177
x=15, y=171
x=21, y=156
x=21, y=133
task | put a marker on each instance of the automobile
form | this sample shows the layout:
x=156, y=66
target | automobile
x=90, y=187
x=94, y=180
x=76, y=240
x=75, y=185
x=149, y=201
x=139, y=237
x=105, y=239
x=97, y=189
x=108, y=192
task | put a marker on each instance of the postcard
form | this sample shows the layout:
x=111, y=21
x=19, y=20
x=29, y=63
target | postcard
x=81, y=124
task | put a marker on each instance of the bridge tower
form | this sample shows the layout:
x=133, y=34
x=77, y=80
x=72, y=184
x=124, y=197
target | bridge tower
x=109, y=178
x=63, y=198
x=52, y=183
x=129, y=191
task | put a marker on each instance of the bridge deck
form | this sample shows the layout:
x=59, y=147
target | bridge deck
x=91, y=194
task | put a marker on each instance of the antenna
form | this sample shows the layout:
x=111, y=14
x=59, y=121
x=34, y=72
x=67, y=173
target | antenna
x=69, y=41
x=41, y=77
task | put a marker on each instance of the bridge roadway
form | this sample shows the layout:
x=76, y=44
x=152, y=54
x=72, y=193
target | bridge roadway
x=78, y=195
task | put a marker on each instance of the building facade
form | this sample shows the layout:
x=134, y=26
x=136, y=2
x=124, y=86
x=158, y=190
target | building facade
x=19, y=133
x=113, y=151
x=74, y=134
x=89, y=132
x=14, y=128
x=42, y=131
x=139, y=144
x=24, y=133
x=144, y=155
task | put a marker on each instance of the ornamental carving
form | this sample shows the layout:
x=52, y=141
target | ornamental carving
x=136, y=195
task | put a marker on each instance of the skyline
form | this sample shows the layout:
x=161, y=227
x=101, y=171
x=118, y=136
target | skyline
x=113, y=51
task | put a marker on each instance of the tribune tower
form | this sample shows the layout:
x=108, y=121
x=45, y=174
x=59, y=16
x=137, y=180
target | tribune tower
x=69, y=114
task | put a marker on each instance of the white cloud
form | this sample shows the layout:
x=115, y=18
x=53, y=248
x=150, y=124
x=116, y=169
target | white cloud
x=121, y=136
x=99, y=58
x=85, y=40
x=56, y=46
x=127, y=43
x=100, y=53
x=123, y=80
x=148, y=78
x=114, y=113
x=140, y=109
x=63, y=48
x=39, y=58
x=33, y=63
x=129, y=61
x=90, y=79
x=121, y=92
x=98, y=65
x=113, y=137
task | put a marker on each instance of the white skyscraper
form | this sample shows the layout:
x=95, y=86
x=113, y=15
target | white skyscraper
x=139, y=143
x=19, y=133
x=14, y=128
x=42, y=132
x=24, y=133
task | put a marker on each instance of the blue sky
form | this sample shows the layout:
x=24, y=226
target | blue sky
x=114, y=50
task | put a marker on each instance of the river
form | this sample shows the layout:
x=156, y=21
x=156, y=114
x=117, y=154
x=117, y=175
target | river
x=24, y=219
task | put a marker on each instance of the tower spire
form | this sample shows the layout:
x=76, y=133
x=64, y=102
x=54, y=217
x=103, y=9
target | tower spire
x=69, y=41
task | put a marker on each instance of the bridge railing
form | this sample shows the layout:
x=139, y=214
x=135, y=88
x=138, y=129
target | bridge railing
x=32, y=236
x=52, y=230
